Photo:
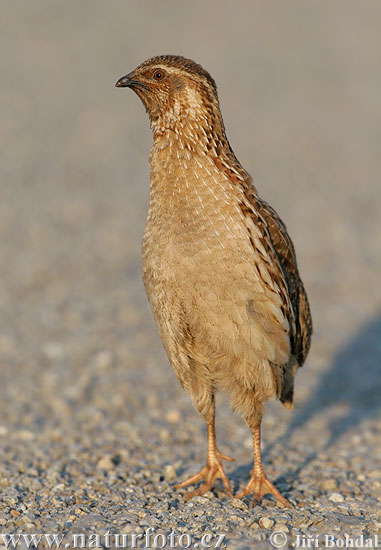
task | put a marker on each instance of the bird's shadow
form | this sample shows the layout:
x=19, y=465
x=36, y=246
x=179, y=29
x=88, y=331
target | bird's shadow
x=352, y=386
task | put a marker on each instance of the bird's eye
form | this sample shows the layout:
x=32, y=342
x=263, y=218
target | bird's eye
x=159, y=75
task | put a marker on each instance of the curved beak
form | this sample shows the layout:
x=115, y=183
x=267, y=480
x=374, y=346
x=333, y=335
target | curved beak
x=127, y=82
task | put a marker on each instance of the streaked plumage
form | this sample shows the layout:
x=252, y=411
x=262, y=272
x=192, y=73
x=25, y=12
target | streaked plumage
x=218, y=264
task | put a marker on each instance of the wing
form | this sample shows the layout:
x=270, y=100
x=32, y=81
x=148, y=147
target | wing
x=280, y=253
x=301, y=335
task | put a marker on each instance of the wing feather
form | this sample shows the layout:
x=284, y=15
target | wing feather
x=284, y=249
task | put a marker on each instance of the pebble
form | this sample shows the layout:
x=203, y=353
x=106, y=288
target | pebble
x=105, y=463
x=238, y=503
x=58, y=487
x=266, y=523
x=170, y=473
x=281, y=527
x=25, y=435
x=103, y=359
x=128, y=529
x=53, y=350
x=173, y=416
x=336, y=497
x=200, y=500
x=328, y=484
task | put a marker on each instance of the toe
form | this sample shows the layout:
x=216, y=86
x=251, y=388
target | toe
x=268, y=487
x=192, y=479
x=226, y=457
x=226, y=483
x=213, y=470
x=260, y=486
x=198, y=492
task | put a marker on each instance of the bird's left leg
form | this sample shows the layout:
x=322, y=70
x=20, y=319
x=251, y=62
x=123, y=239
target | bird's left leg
x=213, y=468
x=259, y=484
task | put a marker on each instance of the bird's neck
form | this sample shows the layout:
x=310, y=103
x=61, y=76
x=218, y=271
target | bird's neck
x=196, y=134
x=192, y=154
x=193, y=120
x=200, y=137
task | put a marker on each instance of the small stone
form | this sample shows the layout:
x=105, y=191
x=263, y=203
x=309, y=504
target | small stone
x=6, y=344
x=237, y=503
x=173, y=416
x=25, y=435
x=3, y=431
x=53, y=350
x=9, y=500
x=170, y=473
x=59, y=487
x=336, y=497
x=103, y=359
x=164, y=434
x=105, y=463
x=281, y=527
x=302, y=521
x=266, y=523
x=200, y=500
x=15, y=513
x=248, y=443
x=328, y=484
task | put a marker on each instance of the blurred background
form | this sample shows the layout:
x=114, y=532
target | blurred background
x=83, y=375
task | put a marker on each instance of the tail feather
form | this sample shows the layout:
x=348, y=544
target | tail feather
x=287, y=393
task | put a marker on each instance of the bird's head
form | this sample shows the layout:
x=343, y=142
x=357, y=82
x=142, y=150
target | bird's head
x=177, y=93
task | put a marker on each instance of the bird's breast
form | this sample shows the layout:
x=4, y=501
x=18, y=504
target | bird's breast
x=194, y=213
x=202, y=266
x=196, y=237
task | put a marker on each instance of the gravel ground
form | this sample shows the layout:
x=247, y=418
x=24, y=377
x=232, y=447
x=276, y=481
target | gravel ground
x=94, y=427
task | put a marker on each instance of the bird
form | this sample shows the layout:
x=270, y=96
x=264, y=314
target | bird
x=218, y=265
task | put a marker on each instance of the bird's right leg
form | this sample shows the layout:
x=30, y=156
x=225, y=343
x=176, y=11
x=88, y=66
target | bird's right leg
x=213, y=468
x=259, y=484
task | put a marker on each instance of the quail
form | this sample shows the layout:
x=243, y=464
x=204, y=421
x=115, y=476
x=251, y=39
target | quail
x=218, y=265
